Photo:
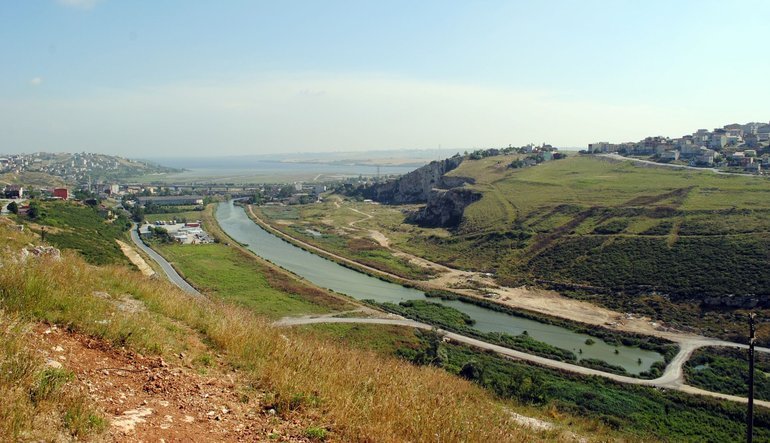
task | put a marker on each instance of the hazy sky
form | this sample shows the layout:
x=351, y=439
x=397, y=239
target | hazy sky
x=145, y=77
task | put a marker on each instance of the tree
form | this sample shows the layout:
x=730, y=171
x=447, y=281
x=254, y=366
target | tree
x=137, y=213
x=472, y=371
x=34, y=210
x=13, y=207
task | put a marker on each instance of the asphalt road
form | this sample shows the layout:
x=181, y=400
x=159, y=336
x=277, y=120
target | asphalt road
x=166, y=266
x=672, y=378
x=669, y=165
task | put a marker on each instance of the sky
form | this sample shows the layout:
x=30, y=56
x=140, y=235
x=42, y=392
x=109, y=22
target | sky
x=236, y=77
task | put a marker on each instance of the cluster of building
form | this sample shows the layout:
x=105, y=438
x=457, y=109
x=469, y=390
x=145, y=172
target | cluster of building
x=17, y=192
x=77, y=167
x=189, y=233
x=738, y=145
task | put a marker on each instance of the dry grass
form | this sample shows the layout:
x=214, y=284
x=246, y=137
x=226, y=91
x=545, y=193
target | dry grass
x=356, y=395
x=38, y=402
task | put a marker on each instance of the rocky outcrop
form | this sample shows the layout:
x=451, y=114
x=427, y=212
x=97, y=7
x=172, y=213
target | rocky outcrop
x=446, y=196
x=449, y=182
x=416, y=186
x=445, y=208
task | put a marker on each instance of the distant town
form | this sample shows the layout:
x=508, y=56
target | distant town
x=739, y=148
x=734, y=147
x=77, y=167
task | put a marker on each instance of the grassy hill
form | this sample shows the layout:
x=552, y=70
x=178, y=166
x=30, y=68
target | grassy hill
x=339, y=393
x=323, y=382
x=611, y=227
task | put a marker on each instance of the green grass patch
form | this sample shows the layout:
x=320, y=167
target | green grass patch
x=83, y=229
x=222, y=271
x=383, y=339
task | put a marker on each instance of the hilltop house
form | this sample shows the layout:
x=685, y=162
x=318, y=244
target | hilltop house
x=62, y=193
x=13, y=191
x=763, y=133
x=669, y=156
x=706, y=157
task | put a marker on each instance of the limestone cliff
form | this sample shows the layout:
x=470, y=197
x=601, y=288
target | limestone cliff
x=445, y=208
x=416, y=186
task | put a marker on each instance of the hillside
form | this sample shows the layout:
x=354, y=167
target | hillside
x=597, y=226
x=134, y=349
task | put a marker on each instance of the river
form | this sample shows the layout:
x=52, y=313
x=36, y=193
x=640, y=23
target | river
x=328, y=274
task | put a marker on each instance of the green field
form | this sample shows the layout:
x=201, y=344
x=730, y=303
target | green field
x=222, y=271
x=383, y=339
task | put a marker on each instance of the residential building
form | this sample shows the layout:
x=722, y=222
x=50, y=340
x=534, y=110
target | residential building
x=62, y=193
x=706, y=157
x=763, y=133
x=754, y=167
x=14, y=191
x=689, y=151
x=669, y=156
x=751, y=140
x=718, y=141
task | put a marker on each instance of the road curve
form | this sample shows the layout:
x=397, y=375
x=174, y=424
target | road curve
x=165, y=265
x=669, y=165
x=672, y=378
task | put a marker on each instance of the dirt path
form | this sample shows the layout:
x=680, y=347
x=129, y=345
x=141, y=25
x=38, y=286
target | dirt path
x=480, y=285
x=148, y=399
x=136, y=259
x=377, y=236
x=672, y=378
x=543, y=301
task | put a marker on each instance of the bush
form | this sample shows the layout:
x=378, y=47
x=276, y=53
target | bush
x=315, y=433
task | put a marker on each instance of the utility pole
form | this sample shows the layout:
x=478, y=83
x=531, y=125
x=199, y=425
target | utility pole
x=750, y=414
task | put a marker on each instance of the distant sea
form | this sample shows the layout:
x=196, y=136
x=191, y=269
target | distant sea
x=248, y=169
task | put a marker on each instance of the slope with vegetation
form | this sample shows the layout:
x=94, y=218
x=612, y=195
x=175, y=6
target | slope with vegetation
x=349, y=394
x=639, y=413
x=79, y=227
x=633, y=238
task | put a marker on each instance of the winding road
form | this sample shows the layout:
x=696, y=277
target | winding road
x=672, y=378
x=165, y=265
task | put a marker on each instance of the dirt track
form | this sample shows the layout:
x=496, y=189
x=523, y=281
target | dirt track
x=136, y=259
x=672, y=378
x=459, y=281
x=149, y=399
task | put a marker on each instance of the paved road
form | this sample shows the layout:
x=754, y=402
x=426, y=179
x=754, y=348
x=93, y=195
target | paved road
x=669, y=165
x=166, y=266
x=672, y=378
